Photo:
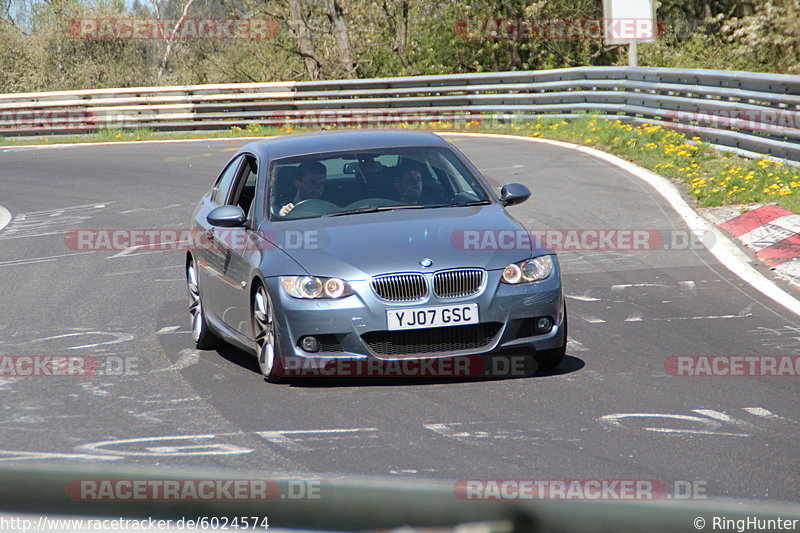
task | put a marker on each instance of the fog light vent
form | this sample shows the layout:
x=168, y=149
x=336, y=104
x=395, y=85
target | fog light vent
x=309, y=344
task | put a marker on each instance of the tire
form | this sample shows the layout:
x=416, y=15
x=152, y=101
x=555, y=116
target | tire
x=267, y=338
x=549, y=359
x=203, y=337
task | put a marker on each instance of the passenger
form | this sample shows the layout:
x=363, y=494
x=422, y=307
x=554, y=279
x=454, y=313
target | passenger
x=408, y=184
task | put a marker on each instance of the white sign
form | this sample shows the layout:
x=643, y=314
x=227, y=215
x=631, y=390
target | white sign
x=629, y=21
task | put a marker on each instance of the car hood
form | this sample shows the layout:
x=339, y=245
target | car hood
x=362, y=245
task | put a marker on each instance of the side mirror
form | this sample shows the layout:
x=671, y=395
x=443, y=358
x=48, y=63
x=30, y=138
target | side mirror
x=227, y=216
x=514, y=193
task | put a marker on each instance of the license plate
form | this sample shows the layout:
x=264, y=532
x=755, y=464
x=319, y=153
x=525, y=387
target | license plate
x=432, y=317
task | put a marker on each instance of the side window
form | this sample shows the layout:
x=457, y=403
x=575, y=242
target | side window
x=246, y=185
x=224, y=182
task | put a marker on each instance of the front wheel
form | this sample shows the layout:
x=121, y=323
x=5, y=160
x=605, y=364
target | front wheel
x=202, y=335
x=269, y=360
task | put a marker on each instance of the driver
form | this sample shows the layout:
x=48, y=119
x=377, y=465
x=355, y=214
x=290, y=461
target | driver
x=310, y=184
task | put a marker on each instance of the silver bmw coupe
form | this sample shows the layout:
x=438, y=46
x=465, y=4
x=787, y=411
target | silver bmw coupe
x=368, y=246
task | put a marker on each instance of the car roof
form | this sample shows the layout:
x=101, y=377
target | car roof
x=334, y=141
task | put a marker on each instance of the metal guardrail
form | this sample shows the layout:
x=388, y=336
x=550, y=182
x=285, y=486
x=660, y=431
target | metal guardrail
x=749, y=111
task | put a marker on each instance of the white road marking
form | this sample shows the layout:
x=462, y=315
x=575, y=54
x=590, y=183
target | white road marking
x=583, y=298
x=129, y=251
x=61, y=210
x=5, y=217
x=282, y=438
x=11, y=455
x=707, y=317
x=167, y=329
x=688, y=286
x=455, y=430
x=766, y=414
x=785, y=338
x=760, y=411
x=575, y=346
x=126, y=251
x=118, y=338
x=623, y=286
x=636, y=317
x=683, y=286
x=187, y=357
x=697, y=432
x=446, y=430
x=5, y=382
x=724, y=249
x=722, y=417
x=713, y=422
x=159, y=400
x=193, y=449
x=592, y=319
x=48, y=222
x=33, y=260
x=613, y=421
x=148, y=209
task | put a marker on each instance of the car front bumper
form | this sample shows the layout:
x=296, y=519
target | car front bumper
x=356, y=326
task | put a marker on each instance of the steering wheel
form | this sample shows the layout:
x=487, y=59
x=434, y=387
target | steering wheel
x=312, y=206
x=372, y=202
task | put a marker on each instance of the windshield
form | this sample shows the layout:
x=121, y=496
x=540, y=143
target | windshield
x=345, y=183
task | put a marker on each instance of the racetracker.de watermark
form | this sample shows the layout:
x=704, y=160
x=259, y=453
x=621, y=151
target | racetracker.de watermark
x=558, y=29
x=579, y=489
x=156, y=489
x=733, y=365
x=768, y=121
x=19, y=366
x=47, y=119
x=580, y=239
x=367, y=117
x=410, y=367
x=191, y=239
x=188, y=29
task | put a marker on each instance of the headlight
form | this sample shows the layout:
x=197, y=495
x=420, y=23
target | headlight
x=313, y=287
x=535, y=269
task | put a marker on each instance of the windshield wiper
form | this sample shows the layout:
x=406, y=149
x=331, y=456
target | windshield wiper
x=464, y=204
x=373, y=209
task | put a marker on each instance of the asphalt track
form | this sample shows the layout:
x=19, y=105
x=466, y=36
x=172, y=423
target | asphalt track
x=630, y=310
